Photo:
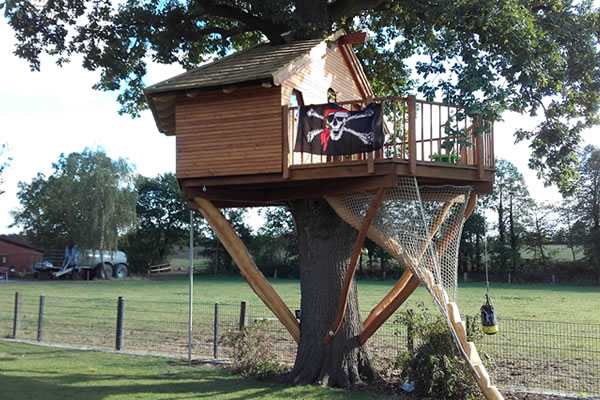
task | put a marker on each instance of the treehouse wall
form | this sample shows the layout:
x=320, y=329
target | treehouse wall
x=222, y=134
x=329, y=71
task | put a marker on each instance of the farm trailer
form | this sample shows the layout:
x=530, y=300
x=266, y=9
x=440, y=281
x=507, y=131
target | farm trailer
x=83, y=264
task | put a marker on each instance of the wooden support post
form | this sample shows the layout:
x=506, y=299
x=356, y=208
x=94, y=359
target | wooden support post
x=478, y=122
x=18, y=314
x=286, y=153
x=235, y=247
x=360, y=240
x=412, y=135
x=370, y=163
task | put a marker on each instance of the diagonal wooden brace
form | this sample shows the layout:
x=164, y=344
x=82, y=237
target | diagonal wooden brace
x=239, y=253
x=405, y=286
x=360, y=240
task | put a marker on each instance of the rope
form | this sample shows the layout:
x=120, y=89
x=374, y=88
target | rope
x=485, y=252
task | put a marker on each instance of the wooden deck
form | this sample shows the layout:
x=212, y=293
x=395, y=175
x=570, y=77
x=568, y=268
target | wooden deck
x=419, y=137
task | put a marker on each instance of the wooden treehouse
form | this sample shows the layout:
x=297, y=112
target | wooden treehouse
x=234, y=123
x=237, y=127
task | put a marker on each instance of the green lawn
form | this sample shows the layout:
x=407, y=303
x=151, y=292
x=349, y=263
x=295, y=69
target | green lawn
x=517, y=301
x=556, y=252
x=32, y=372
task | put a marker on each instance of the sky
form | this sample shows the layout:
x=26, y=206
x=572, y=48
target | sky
x=44, y=114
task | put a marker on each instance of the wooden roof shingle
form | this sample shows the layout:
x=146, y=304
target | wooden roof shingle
x=260, y=62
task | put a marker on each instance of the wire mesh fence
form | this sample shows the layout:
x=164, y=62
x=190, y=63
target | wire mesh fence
x=527, y=355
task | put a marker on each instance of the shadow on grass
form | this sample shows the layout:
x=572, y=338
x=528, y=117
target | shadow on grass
x=91, y=387
x=197, y=383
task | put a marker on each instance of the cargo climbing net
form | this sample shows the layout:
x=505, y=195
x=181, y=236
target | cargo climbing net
x=420, y=226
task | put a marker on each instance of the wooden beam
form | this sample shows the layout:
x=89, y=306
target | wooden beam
x=395, y=302
x=353, y=38
x=360, y=240
x=235, y=247
x=402, y=289
x=277, y=194
x=286, y=152
x=398, y=287
x=412, y=139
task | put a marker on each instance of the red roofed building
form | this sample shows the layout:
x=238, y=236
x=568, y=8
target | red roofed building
x=21, y=255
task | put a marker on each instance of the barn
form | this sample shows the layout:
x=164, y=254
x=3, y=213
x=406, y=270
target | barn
x=14, y=252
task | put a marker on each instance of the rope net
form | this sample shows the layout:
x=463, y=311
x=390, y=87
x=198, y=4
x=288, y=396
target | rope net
x=418, y=226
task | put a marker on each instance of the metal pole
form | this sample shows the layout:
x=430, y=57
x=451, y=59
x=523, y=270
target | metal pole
x=216, y=333
x=120, y=317
x=191, y=290
x=41, y=319
x=17, y=315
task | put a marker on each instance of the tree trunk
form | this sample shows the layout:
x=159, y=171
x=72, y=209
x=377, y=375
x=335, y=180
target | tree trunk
x=325, y=244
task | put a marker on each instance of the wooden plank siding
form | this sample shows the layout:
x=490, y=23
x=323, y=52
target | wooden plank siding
x=222, y=134
x=330, y=71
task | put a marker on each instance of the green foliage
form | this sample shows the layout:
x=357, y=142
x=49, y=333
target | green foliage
x=486, y=55
x=433, y=363
x=212, y=248
x=512, y=203
x=471, y=251
x=275, y=246
x=88, y=201
x=588, y=204
x=253, y=351
x=163, y=222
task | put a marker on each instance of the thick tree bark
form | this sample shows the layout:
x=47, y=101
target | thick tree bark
x=325, y=244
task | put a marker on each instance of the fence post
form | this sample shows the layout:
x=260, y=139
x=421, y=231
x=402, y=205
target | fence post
x=17, y=315
x=120, y=318
x=41, y=319
x=243, y=317
x=216, y=333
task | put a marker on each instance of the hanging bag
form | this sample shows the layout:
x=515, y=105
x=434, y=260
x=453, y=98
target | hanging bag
x=489, y=321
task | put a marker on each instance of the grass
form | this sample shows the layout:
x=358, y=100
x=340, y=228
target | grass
x=30, y=372
x=516, y=301
x=81, y=313
x=556, y=252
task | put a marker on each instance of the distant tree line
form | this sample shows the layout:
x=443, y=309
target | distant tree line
x=96, y=202
x=522, y=225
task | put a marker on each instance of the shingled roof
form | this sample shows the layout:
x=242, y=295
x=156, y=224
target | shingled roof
x=262, y=62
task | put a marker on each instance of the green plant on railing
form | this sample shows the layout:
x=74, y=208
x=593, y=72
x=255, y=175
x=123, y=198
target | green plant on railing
x=432, y=361
x=253, y=354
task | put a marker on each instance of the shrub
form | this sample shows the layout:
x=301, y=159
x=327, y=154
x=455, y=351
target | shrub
x=253, y=354
x=433, y=362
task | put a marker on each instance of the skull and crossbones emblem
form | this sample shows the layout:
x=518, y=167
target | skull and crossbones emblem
x=335, y=126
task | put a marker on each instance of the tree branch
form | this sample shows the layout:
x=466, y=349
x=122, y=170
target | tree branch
x=224, y=33
x=272, y=30
x=345, y=8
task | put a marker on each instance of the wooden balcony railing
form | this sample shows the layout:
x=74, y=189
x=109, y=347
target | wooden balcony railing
x=416, y=131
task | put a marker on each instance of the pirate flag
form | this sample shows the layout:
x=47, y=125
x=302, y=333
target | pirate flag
x=328, y=129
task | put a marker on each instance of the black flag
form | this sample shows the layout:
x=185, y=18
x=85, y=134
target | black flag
x=328, y=129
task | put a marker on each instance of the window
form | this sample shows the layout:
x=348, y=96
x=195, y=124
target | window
x=331, y=96
x=296, y=99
